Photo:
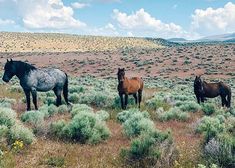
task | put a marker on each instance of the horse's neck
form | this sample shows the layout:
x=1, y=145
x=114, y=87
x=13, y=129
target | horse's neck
x=124, y=82
x=23, y=69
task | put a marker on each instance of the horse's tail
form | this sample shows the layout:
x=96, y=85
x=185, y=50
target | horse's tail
x=229, y=98
x=65, y=89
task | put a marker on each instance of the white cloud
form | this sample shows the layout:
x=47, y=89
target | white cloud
x=220, y=20
x=142, y=23
x=78, y=5
x=6, y=22
x=47, y=14
x=130, y=34
x=110, y=26
x=108, y=30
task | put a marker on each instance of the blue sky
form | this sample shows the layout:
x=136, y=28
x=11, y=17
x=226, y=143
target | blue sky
x=190, y=19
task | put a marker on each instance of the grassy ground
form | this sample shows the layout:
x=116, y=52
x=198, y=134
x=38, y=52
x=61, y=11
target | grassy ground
x=47, y=151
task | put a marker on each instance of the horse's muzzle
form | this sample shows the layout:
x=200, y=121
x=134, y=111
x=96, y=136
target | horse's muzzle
x=5, y=80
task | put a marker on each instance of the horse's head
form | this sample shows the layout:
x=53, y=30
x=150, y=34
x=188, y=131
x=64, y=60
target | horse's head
x=121, y=74
x=198, y=82
x=9, y=70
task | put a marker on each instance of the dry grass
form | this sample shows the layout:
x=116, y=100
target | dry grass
x=187, y=142
x=105, y=154
x=48, y=42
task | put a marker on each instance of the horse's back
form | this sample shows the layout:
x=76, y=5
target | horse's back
x=136, y=83
x=47, y=78
x=214, y=89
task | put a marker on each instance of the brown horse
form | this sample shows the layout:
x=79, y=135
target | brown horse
x=127, y=87
x=203, y=89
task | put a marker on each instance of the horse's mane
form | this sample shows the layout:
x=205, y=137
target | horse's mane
x=24, y=67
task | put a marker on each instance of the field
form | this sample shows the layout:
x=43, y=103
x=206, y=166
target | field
x=169, y=130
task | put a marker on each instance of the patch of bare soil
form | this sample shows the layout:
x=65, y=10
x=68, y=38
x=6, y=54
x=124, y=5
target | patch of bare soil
x=214, y=61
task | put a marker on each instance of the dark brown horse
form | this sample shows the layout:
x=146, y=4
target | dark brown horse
x=133, y=86
x=204, y=90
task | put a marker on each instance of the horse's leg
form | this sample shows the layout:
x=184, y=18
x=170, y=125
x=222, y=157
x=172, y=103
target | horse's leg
x=139, y=97
x=58, y=92
x=121, y=98
x=126, y=100
x=202, y=99
x=228, y=99
x=27, y=95
x=198, y=99
x=34, y=95
x=135, y=96
x=223, y=100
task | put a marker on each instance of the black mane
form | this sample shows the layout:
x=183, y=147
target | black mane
x=23, y=67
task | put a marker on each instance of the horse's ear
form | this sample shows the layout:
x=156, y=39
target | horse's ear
x=11, y=60
x=7, y=60
x=119, y=69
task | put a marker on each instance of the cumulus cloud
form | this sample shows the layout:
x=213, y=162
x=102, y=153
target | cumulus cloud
x=107, y=30
x=141, y=23
x=78, y=5
x=47, y=14
x=220, y=20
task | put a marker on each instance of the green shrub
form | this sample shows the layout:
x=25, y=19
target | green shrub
x=84, y=127
x=220, y=150
x=230, y=125
x=182, y=97
x=173, y=113
x=210, y=127
x=137, y=124
x=16, y=89
x=62, y=109
x=232, y=111
x=74, y=98
x=49, y=100
x=159, y=100
x=97, y=98
x=148, y=149
x=144, y=146
x=56, y=161
x=124, y=115
x=6, y=102
x=208, y=108
x=190, y=106
x=76, y=89
x=77, y=108
x=52, y=109
x=210, y=166
x=33, y=117
x=19, y=132
x=3, y=131
x=57, y=127
x=7, y=117
x=100, y=132
x=44, y=110
x=102, y=115
x=183, y=116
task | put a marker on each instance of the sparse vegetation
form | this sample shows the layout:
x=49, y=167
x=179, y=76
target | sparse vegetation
x=95, y=127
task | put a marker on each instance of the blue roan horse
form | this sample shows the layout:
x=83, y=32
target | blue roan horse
x=33, y=79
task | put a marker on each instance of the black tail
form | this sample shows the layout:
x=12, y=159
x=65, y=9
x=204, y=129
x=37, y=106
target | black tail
x=65, y=90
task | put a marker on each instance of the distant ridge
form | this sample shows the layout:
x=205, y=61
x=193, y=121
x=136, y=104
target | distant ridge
x=222, y=37
x=177, y=40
